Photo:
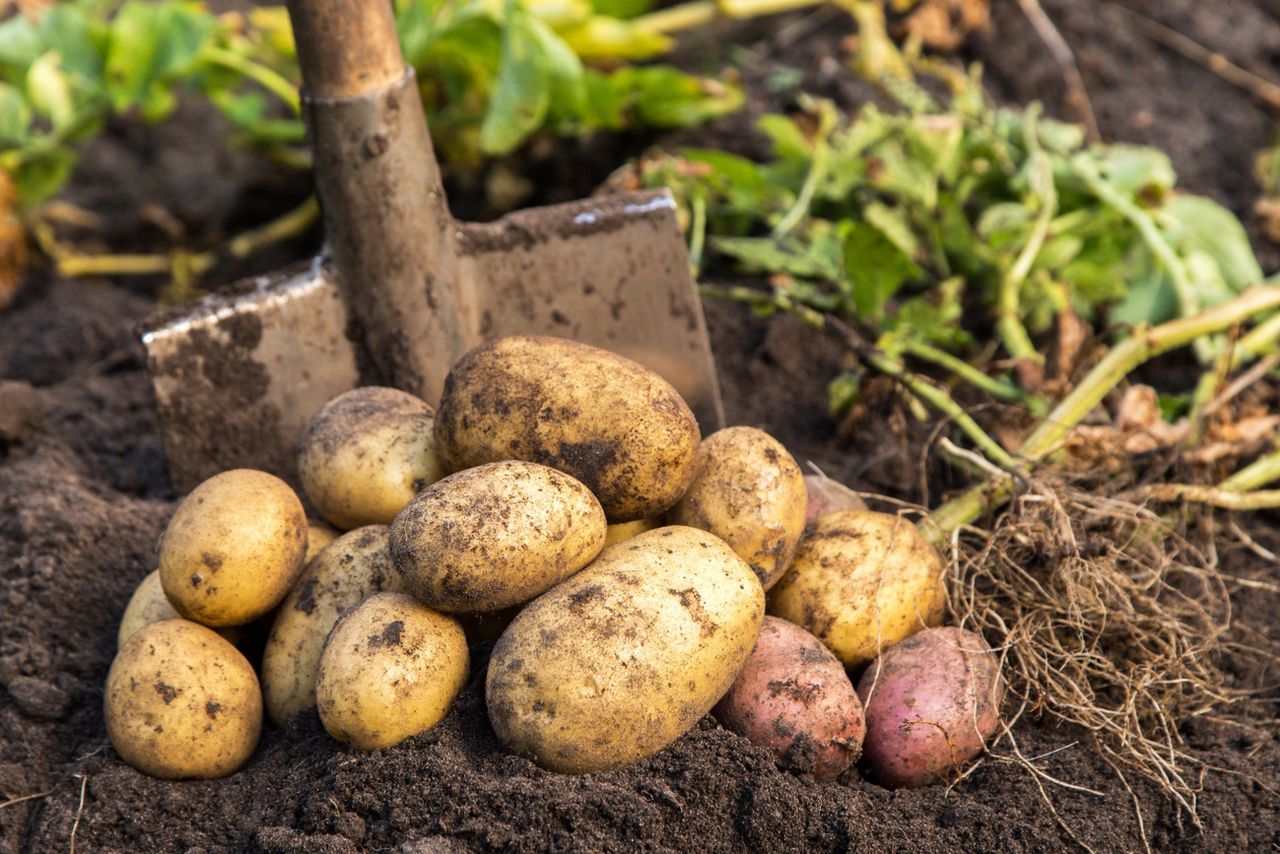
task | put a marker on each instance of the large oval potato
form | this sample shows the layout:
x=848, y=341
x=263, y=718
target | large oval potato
x=496, y=535
x=616, y=426
x=931, y=704
x=365, y=453
x=861, y=582
x=351, y=569
x=182, y=702
x=623, y=658
x=749, y=492
x=794, y=698
x=391, y=668
x=233, y=548
x=148, y=605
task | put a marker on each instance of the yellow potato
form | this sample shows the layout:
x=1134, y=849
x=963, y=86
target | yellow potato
x=233, y=548
x=365, y=453
x=353, y=568
x=391, y=668
x=860, y=582
x=182, y=702
x=625, y=657
x=616, y=426
x=750, y=493
x=496, y=535
x=149, y=605
x=319, y=535
x=615, y=534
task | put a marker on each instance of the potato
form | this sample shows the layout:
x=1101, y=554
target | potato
x=182, y=702
x=749, y=492
x=861, y=582
x=931, y=703
x=148, y=605
x=391, y=668
x=365, y=453
x=353, y=567
x=623, y=658
x=615, y=534
x=794, y=698
x=233, y=548
x=828, y=496
x=496, y=535
x=319, y=535
x=616, y=426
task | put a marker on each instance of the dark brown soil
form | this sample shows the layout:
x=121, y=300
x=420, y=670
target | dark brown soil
x=83, y=496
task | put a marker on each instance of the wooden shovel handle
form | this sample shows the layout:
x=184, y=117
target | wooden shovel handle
x=346, y=48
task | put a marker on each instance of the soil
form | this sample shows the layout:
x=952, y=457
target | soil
x=84, y=495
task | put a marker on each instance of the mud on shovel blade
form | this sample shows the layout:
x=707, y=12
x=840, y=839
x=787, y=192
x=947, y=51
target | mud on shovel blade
x=407, y=289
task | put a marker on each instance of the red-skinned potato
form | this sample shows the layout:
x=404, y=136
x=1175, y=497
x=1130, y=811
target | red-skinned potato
x=794, y=698
x=931, y=703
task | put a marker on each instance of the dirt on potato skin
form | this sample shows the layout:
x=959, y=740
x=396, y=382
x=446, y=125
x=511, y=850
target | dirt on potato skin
x=84, y=497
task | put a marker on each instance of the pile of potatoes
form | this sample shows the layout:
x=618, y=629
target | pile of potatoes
x=568, y=490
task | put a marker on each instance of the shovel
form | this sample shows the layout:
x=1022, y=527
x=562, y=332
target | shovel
x=406, y=289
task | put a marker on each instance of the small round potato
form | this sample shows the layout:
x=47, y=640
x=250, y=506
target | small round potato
x=794, y=698
x=614, y=425
x=496, y=535
x=861, y=582
x=182, y=702
x=365, y=453
x=749, y=492
x=932, y=702
x=615, y=534
x=319, y=535
x=391, y=668
x=149, y=605
x=623, y=658
x=353, y=567
x=233, y=548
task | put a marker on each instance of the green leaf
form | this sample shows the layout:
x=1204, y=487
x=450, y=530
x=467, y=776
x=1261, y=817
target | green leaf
x=522, y=91
x=20, y=44
x=893, y=224
x=662, y=96
x=789, y=142
x=1206, y=226
x=1132, y=169
x=621, y=8
x=559, y=14
x=40, y=177
x=563, y=71
x=1150, y=299
x=50, y=91
x=876, y=268
x=842, y=393
x=15, y=117
x=767, y=255
x=1059, y=251
x=151, y=43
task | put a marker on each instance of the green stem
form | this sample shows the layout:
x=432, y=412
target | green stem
x=1262, y=471
x=697, y=231
x=1216, y=496
x=1040, y=168
x=997, y=388
x=817, y=172
x=267, y=78
x=1145, y=344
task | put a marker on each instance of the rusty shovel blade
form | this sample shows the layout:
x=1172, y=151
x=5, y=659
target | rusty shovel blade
x=237, y=376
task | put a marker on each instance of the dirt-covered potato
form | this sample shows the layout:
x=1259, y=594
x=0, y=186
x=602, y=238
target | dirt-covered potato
x=749, y=492
x=931, y=704
x=615, y=534
x=861, y=582
x=148, y=605
x=353, y=568
x=391, y=668
x=614, y=425
x=233, y=548
x=794, y=698
x=319, y=535
x=182, y=702
x=623, y=658
x=365, y=453
x=828, y=496
x=496, y=535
